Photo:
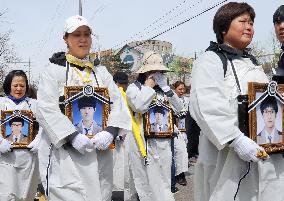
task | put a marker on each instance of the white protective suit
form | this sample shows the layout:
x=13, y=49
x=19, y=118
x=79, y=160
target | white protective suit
x=73, y=176
x=158, y=172
x=214, y=107
x=180, y=144
x=19, y=174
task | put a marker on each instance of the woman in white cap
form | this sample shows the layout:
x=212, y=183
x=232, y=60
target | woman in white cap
x=18, y=167
x=70, y=167
x=151, y=83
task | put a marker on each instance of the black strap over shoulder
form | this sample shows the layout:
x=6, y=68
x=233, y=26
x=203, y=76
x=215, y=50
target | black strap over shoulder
x=226, y=53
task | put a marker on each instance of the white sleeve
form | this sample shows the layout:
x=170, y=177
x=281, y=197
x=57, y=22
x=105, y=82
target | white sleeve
x=210, y=105
x=176, y=103
x=48, y=114
x=119, y=115
x=139, y=100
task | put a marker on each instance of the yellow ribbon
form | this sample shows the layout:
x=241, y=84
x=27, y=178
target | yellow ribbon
x=85, y=64
x=135, y=127
x=84, y=79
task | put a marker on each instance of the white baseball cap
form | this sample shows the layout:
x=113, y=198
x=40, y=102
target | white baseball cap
x=73, y=22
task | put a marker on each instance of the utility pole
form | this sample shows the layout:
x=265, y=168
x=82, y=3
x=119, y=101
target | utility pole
x=24, y=62
x=80, y=8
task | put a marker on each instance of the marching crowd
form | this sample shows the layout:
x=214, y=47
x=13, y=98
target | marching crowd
x=156, y=130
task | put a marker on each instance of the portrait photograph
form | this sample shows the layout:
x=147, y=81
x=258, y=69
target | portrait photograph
x=158, y=122
x=180, y=123
x=17, y=128
x=269, y=120
x=266, y=118
x=159, y=119
x=87, y=115
x=88, y=108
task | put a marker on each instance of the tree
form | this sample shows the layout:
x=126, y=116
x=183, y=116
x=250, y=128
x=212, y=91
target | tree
x=7, y=52
x=267, y=57
x=181, y=66
x=114, y=63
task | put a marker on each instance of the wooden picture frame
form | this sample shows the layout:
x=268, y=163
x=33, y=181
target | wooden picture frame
x=158, y=121
x=87, y=97
x=266, y=115
x=17, y=127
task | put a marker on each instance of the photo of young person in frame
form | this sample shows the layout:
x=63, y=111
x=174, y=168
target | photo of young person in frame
x=159, y=119
x=87, y=115
x=270, y=111
x=180, y=123
x=16, y=132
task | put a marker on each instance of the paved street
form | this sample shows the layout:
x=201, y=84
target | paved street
x=186, y=192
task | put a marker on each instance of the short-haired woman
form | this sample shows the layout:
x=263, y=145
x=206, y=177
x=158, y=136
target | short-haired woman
x=225, y=152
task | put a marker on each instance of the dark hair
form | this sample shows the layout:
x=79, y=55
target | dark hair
x=17, y=119
x=269, y=101
x=177, y=83
x=141, y=78
x=86, y=101
x=120, y=77
x=8, y=80
x=278, y=16
x=32, y=92
x=159, y=109
x=226, y=14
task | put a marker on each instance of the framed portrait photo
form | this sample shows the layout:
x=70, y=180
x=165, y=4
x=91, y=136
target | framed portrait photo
x=17, y=127
x=88, y=108
x=266, y=115
x=158, y=121
x=180, y=121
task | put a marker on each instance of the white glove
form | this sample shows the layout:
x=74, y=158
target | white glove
x=82, y=143
x=161, y=80
x=102, y=140
x=34, y=145
x=5, y=146
x=246, y=148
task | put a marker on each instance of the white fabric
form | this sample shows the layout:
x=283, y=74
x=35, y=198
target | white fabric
x=214, y=106
x=19, y=175
x=180, y=153
x=34, y=145
x=158, y=173
x=82, y=143
x=161, y=80
x=102, y=140
x=105, y=166
x=81, y=178
x=5, y=146
x=246, y=148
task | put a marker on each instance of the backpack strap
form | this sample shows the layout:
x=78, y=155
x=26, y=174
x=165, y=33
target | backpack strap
x=214, y=47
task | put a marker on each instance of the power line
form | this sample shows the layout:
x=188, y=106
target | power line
x=179, y=24
x=153, y=23
x=169, y=20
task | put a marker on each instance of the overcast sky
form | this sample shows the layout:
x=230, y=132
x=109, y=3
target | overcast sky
x=37, y=25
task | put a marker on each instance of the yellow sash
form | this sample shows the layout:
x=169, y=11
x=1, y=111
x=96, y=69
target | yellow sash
x=135, y=127
x=82, y=63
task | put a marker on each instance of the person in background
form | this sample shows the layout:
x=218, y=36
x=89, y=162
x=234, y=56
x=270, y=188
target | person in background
x=226, y=153
x=278, y=21
x=19, y=168
x=180, y=144
x=73, y=166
